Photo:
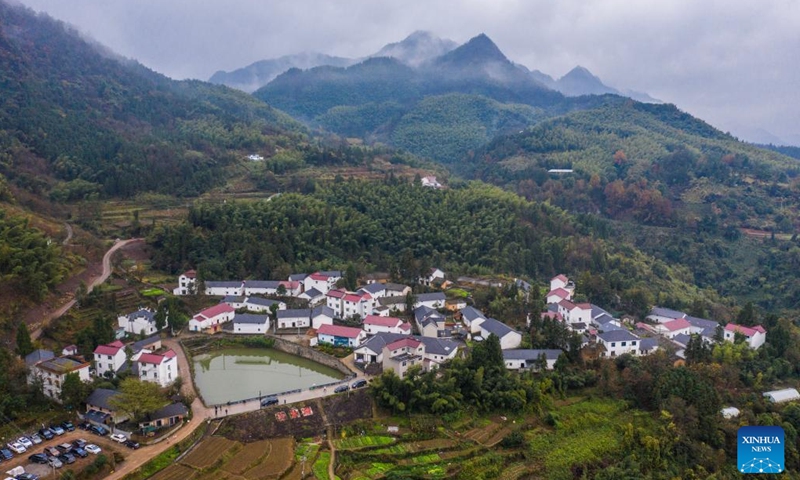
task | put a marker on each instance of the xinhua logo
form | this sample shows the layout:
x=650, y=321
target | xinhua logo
x=760, y=450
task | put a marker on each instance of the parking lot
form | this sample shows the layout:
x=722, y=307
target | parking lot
x=107, y=445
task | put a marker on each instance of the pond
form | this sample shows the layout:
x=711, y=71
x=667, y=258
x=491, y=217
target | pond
x=233, y=374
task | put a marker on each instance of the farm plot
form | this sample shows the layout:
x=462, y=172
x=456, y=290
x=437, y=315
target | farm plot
x=175, y=472
x=278, y=462
x=208, y=453
x=355, y=443
x=482, y=434
x=249, y=456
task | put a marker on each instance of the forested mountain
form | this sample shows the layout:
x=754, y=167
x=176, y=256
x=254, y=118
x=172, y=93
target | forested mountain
x=418, y=48
x=70, y=110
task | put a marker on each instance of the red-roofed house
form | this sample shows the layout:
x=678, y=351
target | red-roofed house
x=211, y=319
x=109, y=358
x=187, y=284
x=347, y=304
x=375, y=324
x=322, y=281
x=575, y=313
x=160, y=369
x=670, y=329
x=555, y=296
x=402, y=354
x=756, y=336
x=559, y=281
x=340, y=336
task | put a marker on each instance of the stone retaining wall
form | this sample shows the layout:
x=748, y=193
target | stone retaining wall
x=311, y=354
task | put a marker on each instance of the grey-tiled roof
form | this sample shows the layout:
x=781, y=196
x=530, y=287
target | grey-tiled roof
x=701, y=322
x=666, y=312
x=312, y=293
x=431, y=297
x=331, y=273
x=138, y=346
x=263, y=302
x=100, y=397
x=142, y=313
x=496, y=327
x=471, y=313
x=172, y=410
x=297, y=277
x=249, y=319
x=215, y=284
x=578, y=326
x=373, y=288
x=610, y=327
x=530, y=354
x=233, y=299
x=438, y=346
x=424, y=315
x=262, y=284
x=398, y=299
x=552, y=307
x=617, y=336
x=322, y=310
x=648, y=344
x=522, y=284
x=681, y=338
x=294, y=313
x=395, y=287
x=38, y=356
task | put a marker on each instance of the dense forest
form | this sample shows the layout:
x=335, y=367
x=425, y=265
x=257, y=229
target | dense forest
x=404, y=228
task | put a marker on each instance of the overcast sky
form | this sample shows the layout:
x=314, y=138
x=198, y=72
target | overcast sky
x=733, y=63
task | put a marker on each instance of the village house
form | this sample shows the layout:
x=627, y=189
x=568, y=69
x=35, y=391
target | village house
x=187, y=284
x=247, y=323
x=348, y=304
x=618, y=342
x=679, y=326
x=224, y=289
x=430, y=322
x=375, y=324
x=235, y=301
x=561, y=281
x=156, y=368
x=109, y=359
x=387, y=304
x=434, y=276
x=754, y=336
x=437, y=350
x=509, y=338
x=432, y=300
x=69, y=350
x=294, y=318
x=662, y=315
x=142, y=321
x=100, y=401
x=431, y=182
x=51, y=374
x=340, y=336
x=530, y=359
x=164, y=417
x=261, y=305
x=557, y=295
x=37, y=356
x=471, y=317
x=271, y=287
x=314, y=297
x=403, y=354
x=321, y=315
x=575, y=313
x=648, y=345
x=211, y=319
x=150, y=343
x=383, y=290
x=322, y=281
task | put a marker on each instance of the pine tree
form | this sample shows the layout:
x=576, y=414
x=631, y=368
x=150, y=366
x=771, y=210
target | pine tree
x=24, y=343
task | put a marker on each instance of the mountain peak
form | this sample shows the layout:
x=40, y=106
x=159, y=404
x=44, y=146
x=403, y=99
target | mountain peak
x=478, y=50
x=417, y=48
x=580, y=81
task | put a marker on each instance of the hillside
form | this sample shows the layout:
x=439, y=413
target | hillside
x=74, y=116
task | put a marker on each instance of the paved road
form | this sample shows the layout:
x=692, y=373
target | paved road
x=97, y=281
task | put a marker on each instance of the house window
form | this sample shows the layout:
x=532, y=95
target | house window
x=624, y=344
x=633, y=343
x=613, y=344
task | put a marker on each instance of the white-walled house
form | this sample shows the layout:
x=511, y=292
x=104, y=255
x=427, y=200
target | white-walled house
x=347, y=304
x=509, y=338
x=322, y=281
x=529, y=359
x=187, y=284
x=224, y=289
x=575, y=313
x=376, y=324
x=434, y=275
x=261, y=305
x=618, y=342
x=321, y=315
x=559, y=281
x=340, y=336
x=52, y=372
x=271, y=287
x=472, y=318
x=235, y=301
x=294, y=318
x=432, y=300
x=437, y=350
x=662, y=315
x=402, y=354
x=211, y=319
x=429, y=321
x=156, y=368
x=555, y=296
x=679, y=326
x=754, y=336
x=313, y=297
x=138, y=322
x=109, y=358
x=246, y=323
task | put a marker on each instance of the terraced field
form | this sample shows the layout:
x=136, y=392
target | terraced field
x=217, y=458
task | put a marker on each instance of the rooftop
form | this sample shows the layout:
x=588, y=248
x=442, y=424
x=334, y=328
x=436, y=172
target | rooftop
x=249, y=319
x=99, y=398
x=215, y=310
x=62, y=365
x=339, y=331
x=530, y=354
x=617, y=336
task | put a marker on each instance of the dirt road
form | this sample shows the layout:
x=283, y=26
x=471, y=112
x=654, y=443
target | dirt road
x=95, y=282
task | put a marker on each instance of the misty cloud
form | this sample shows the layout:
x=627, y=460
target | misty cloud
x=728, y=62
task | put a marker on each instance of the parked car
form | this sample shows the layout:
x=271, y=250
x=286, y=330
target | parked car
x=35, y=438
x=26, y=442
x=92, y=448
x=57, y=429
x=64, y=447
x=51, y=451
x=17, y=447
x=27, y=476
x=98, y=430
x=38, y=458
x=67, y=458
x=271, y=400
x=68, y=426
x=85, y=425
x=131, y=444
x=359, y=383
x=80, y=452
x=47, y=433
x=341, y=388
x=54, y=462
x=79, y=443
x=118, y=437
x=5, y=454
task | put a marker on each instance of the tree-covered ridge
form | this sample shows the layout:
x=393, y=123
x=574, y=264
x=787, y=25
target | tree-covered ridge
x=405, y=228
x=30, y=262
x=114, y=123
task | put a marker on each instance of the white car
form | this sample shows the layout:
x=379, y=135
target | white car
x=118, y=437
x=25, y=441
x=92, y=448
x=17, y=447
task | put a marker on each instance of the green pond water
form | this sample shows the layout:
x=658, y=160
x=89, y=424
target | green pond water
x=233, y=374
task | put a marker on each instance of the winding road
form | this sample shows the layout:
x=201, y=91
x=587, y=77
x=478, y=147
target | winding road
x=95, y=282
